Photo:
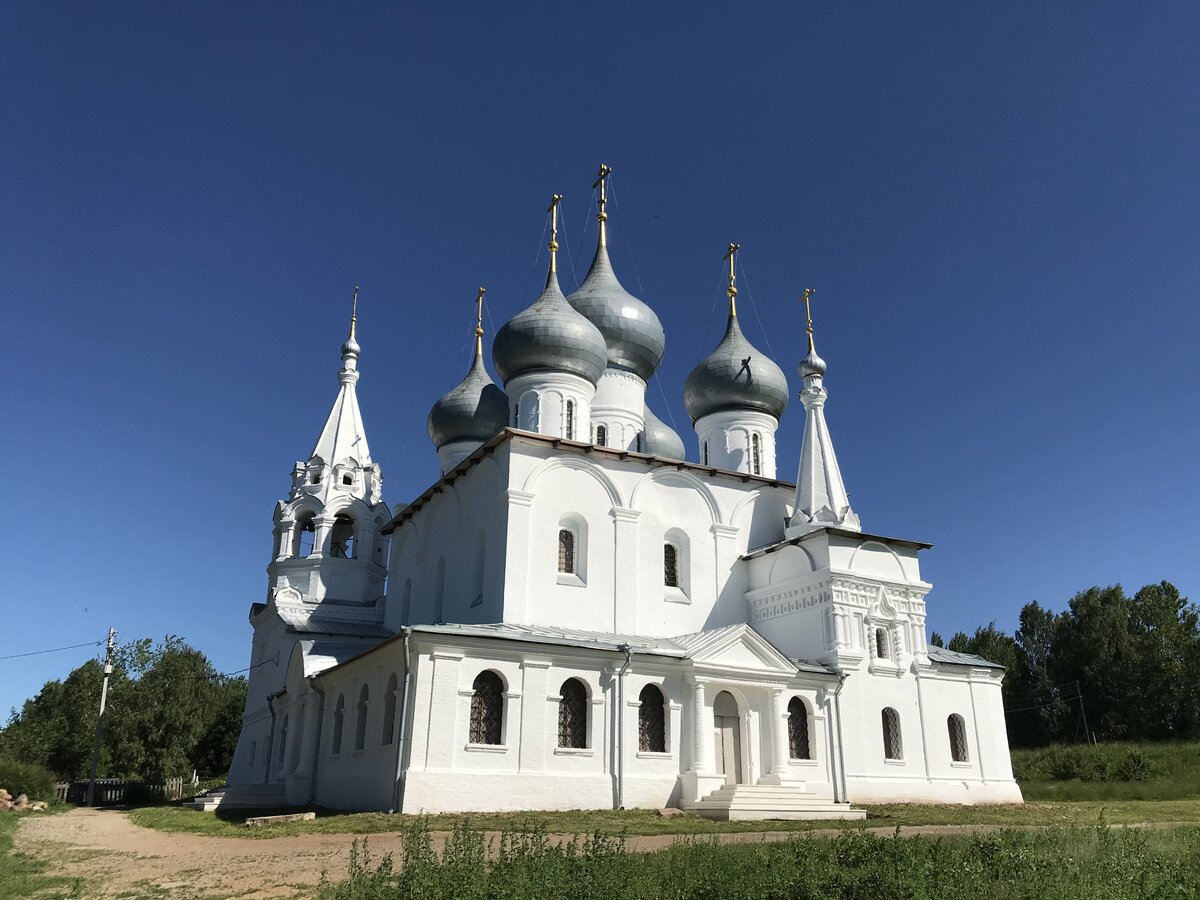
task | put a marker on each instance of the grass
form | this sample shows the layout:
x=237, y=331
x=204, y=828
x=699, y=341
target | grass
x=1169, y=770
x=24, y=876
x=228, y=823
x=1057, y=864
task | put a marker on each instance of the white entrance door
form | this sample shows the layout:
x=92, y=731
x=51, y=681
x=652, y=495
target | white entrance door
x=727, y=734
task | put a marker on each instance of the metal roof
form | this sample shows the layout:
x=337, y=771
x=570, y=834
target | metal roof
x=841, y=532
x=953, y=658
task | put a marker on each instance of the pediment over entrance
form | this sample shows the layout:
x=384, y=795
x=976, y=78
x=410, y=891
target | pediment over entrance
x=736, y=647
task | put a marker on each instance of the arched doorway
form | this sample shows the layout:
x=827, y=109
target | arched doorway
x=727, y=733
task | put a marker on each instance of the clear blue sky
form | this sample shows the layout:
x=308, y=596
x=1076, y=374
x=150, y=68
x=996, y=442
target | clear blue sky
x=998, y=204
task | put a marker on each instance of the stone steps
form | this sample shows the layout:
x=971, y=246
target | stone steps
x=758, y=801
x=243, y=796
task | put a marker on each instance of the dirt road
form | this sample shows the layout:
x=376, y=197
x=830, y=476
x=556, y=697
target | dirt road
x=115, y=856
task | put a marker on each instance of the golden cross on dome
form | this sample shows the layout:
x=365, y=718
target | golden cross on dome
x=555, y=199
x=732, y=289
x=479, y=323
x=354, y=311
x=808, y=295
x=602, y=183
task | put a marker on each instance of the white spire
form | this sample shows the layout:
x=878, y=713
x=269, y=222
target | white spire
x=344, y=435
x=821, y=498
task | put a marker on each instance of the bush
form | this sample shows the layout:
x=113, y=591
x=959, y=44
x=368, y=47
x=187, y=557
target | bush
x=36, y=782
x=1135, y=765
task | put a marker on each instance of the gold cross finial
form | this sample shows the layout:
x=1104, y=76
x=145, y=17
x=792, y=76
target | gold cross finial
x=479, y=323
x=732, y=289
x=354, y=311
x=808, y=295
x=602, y=183
x=555, y=199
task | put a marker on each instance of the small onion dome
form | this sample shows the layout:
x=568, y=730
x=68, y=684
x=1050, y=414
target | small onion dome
x=550, y=336
x=631, y=330
x=735, y=376
x=812, y=364
x=473, y=411
x=659, y=439
x=351, y=348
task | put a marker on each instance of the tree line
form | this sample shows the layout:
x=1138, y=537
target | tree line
x=169, y=713
x=1109, y=666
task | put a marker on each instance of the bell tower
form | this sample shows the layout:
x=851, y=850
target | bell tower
x=328, y=540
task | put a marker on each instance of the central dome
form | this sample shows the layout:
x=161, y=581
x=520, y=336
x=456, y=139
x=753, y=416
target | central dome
x=736, y=375
x=632, y=332
x=550, y=336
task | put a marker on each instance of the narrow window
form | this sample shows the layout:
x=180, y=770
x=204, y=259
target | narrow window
x=347, y=479
x=566, y=551
x=637, y=442
x=881, y=644
x=283, y=739
x=893, y=748
x=360, y=725
x=570, y=420
x=601, y=436
x=487, y=708
x=572, y=714
x=652, y=720
x=670, y=565
x=756, y=454
x=316, y=479
x=798, y=747
x=705, y=446
x=958, y=738
x=389, y=710
x=339, y=719
x=253, y=747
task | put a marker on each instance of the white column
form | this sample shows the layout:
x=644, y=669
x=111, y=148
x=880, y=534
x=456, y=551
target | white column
x=535, y=723
x=702, y=731
x=779, y=733
x=516, y=570
x=323, y=524
x=625, y=575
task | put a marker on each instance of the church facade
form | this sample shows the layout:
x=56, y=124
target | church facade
x=574, y=615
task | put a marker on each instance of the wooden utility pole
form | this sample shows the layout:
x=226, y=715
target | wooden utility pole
x=108, y=659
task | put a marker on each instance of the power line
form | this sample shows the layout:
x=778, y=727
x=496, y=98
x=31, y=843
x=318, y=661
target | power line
x=53, y=650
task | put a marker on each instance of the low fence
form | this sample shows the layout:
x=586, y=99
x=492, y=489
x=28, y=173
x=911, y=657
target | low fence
x=111, y=791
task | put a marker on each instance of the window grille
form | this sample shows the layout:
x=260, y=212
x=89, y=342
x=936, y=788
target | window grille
x=798, y=747
x=339, y=717
x=756, y=454
x=570, y=420
x=892, y=746
x=360, y=725
x=670, y=565
x=487, y=709
x=572, y=715
x=601, y=436
x=566, y=551
x=652, y=721
x=881, y=647
x=958, y=738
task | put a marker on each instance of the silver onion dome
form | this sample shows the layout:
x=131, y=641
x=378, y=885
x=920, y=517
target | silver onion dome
x=550, y=336
x=474, y=411
x=736, y=375
x=659, y=439
x=811, y=364
x=631, y=330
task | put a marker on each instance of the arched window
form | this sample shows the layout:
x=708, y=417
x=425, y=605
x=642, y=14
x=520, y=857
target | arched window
x=566, y=551
x=339, y=720
x=881, y=643
x=601, y=436
x=652, y=720
x=389, y=710
x=572, y=714
x=798, y=746
x=360, y=724
x=341, y=539
x=487, y=709
x=283, y=740
x=756, y=454
x=893, y=746
x=570, y=423
x=306, y=536
x=958, y=738
x=670, y=565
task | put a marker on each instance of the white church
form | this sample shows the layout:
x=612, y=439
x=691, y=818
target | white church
x=575, y=615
